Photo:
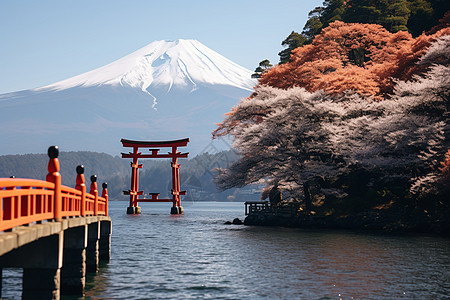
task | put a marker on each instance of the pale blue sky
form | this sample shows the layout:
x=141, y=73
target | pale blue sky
x=42, y=42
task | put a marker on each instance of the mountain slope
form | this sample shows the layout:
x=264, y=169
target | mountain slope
x=165, y=90
x=180, y=63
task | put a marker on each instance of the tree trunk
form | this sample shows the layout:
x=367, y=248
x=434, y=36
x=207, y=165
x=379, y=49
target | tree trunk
x=307, y=194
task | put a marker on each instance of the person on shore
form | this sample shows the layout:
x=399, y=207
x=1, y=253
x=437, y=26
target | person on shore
x=275, y=196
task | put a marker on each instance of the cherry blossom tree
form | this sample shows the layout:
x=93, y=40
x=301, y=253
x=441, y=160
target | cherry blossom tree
x=284, y=140
x=291, y=137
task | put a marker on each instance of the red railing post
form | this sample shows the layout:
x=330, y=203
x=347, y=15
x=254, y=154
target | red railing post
x=81, y=186
x=2, y=201
x=94, y=191
x=8, y=205
x=105, y=195
x=54, y=176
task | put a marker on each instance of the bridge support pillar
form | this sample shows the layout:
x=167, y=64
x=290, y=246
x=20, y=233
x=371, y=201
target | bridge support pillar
x=133, y=210
x=41, y=261
x=73, y=271
x=92, y=253
x=1, y=282
x=41, y=283
x=105, y=241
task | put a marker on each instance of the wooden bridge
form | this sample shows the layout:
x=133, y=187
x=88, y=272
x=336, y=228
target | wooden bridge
x=54, y=232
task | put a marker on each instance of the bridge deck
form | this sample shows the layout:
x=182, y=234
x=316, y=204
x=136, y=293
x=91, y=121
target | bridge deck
x=22, y=235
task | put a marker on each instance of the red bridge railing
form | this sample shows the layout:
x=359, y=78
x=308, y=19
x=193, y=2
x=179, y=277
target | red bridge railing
x=24, y=201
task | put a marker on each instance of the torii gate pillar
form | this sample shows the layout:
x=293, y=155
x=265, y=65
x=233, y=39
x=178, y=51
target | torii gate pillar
x=135, y=166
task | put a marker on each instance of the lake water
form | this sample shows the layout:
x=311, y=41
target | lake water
x=156, y=255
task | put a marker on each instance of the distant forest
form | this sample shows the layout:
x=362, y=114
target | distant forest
x=196, y=174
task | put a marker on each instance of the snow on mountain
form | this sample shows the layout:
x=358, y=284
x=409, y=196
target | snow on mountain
x=181, y=64
x=165, y=90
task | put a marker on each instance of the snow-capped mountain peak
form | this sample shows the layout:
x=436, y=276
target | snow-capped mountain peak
x=183, y=64
x=165, y=90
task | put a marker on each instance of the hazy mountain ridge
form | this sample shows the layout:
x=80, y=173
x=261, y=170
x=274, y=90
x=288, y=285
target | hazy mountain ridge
x=195, y=174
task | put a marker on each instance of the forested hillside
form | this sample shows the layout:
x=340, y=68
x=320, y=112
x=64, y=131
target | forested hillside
x=155, y=176
x=413, y=16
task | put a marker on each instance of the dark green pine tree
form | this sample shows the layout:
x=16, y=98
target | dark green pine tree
x=320, y=17
x=440, y=7
x=396, y=16
x=293, y=40
x=332, y=11
x=416, y=16
x=362, y=11
x=314, y=25
x=264, y=65
x=391, y=14
x=421, y=17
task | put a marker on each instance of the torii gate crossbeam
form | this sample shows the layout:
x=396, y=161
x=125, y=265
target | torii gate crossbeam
x=134, y=192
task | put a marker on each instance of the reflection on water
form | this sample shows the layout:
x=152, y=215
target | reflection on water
x=159, y=256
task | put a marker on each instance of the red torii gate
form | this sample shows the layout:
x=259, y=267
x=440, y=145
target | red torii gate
x=135, y=166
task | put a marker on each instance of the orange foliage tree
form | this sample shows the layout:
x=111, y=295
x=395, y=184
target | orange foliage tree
x=365, y=58
x=445, y=175
x=445, y=169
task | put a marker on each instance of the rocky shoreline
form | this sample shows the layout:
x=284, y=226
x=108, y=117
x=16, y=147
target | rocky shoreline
x=389, y=222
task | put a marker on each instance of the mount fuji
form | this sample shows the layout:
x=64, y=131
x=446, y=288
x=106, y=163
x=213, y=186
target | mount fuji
x=166, y=90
